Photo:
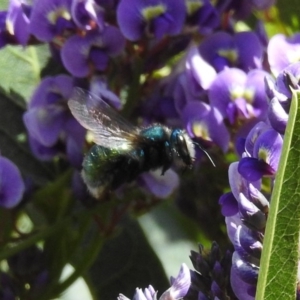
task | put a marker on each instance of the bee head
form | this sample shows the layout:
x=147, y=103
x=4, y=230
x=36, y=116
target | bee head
x=183, y=146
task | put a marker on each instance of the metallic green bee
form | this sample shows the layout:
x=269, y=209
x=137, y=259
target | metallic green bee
x=122, y=151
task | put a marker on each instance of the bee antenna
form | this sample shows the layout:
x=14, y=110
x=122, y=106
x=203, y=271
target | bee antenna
x=205, y=152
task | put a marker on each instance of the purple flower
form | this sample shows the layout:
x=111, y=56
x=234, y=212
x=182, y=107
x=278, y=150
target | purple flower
x=87, y=14
x=98, y=86
x=160, y=186
x=246, y=206
x=50, y=123
x=148, y=294
x=150, y=17
x=42, y=152
x=17, y=21
x=206, y=123
x=241, y=289
x=11, y=184
x=199, y=70
x=264, y=159
x=229, y=205
x=277, y=116
x=283, y=51
x=238, y=95
x=212, y=271
x=50, y=18
x=82, y=54
x=4, y=35
x=242, y=50
x=287, y=79
x=243, y=8
x=245, y=226
x=203, y=14
x=179, y=288
x=179, y=285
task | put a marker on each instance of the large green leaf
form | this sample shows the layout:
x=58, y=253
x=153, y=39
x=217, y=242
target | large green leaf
x=125, y=263
x=279, y=264
x=21, y=67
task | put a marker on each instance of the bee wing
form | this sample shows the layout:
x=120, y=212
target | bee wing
x=109, y=128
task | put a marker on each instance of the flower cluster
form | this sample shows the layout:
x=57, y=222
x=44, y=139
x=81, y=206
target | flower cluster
x=210, y=279
x=246, y=207
x=179, y=288
x=183, y=63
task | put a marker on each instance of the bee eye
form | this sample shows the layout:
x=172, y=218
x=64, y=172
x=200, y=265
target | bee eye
x=180, y=146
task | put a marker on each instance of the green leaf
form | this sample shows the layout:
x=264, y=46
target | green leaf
x=21, y=67
x=172, y=235
x=125, y=263
x=289, y=14
x=3, y=4
x=279, y=263
x=54, y=201
x=21, y=156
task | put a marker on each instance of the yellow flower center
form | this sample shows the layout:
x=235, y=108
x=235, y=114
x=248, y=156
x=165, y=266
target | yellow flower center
x=200, y=130
x=230, y=54
x=192, y=6
x=60, y=12
x=151, y=12
x=263, y=154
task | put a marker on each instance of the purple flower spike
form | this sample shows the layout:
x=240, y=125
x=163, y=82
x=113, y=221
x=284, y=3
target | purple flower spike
x=180, y=285
x=50, y=18
x=80, y=54
x=282, y=51
x=17, y=21
x=11, y=184
x=155, y=17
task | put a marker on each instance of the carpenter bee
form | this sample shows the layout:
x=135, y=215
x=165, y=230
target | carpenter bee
x=122, y=151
